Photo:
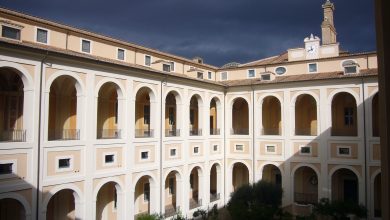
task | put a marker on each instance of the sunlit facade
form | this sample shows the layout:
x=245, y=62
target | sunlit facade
x=95, y=128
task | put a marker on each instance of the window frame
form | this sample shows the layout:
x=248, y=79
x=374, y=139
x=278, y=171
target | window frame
x=115, y=162
x=209, y=75
x=270, y=145
x=193, y=150
x=47, y=37
x=254, y=73
x=227, y=76
x=65, y=169
x=285, y=70
x=148, y=155
x=305, y=154
x=308, y=67
x=81, y=46
x=16, y=27
x=14, y=168
x=237, y=150
x=117, y=54
x=150, y=57
x=345, y=147
x=199, y=74
x=170, y=152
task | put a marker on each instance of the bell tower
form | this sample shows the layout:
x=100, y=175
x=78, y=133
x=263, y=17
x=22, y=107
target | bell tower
x=328, y=30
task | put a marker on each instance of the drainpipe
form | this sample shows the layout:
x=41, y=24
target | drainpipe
x=253, y=134
x=365, y=142
x=163, y=81
x=39, y=133
x=224, y=145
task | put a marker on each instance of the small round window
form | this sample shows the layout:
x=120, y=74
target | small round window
x=280, y=70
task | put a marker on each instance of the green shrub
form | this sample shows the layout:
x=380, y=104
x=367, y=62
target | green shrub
x=150, y=217
x=339, y=209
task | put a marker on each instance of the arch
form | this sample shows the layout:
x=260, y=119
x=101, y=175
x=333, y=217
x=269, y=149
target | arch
x=140, y=175
x=145, y=196
x=78, y=195
x=196, y=187
x=172, y=113
x=172, y=192
x=305, y=165
x=170, y=170
x=195, y=114
x=306, y=124
x=272, y=173
x=305, y=184
x=346, y=90
x=376, y=194
x=343, y=185
x=310, y=93
x=242, y=177
x=112, y=194
x=119, y=185
x=375, y=115
x=80, y=88
x=240, y=116
x=198, y=96
x=143, y=86
x=22, y=200
x=178, y=95
x=22, y=72
x=265, y=95
x=120, y=89
x=215, y=179
x=271, y=115
x=215, y=109
x=144, y=108
x=344, y=116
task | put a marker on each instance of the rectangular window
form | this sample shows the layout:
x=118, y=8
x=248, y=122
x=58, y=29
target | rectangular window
x=171, y=185
x=167, y=67
x=6, y=168
x=270, y=148
x=343, y=151
x=209, y=76
x=266, y=77
x=144, y=155
x=171, y=115
x=109, y=158
x=146, y=114
x=215, y=147
x=348, y=116
x=172, y=152
x=239, y=147
x=42, y=36
x=196, y=150
x=224, y=76
x=146, y=192
x=121, y=54
x=86, y=46
x=350, y=69
x=305, y=150
x=312, y=67
x=148, y=60
x=9, y=32
x=64, y=163
x=199, y=75
x=251, y=73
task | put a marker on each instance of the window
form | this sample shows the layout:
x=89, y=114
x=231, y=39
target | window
x=172, y=66
x=209, y=76
x=305, y=150
x=348, y=116
x=9, y=32
x=146, y=114
x=171, y=115
x=148, y=60
x=64, y=163
x=172, y=152
x=270, y=148
x=251, y=73
x=350, y=66
x=109, y=158
x=6, y=168
x=146, y=192
x=280, y=70
x=144, y=155
x=171, y=185
x=121, y=54
x=312, y=67
x=224, y=76
x=343, y=151
x=199, y=75
x=266, y=77
x=166, y=67
x=350, y=69
x=86, y=46
x=215, y=147
x=196, y=150
x=42, y=36
x=239, y=147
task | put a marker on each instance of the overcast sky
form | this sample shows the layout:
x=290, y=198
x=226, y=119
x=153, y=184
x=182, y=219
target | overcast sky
x=220, y=31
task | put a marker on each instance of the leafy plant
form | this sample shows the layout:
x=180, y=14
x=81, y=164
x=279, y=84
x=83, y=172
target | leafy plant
x=339, y=209
x=150, y=217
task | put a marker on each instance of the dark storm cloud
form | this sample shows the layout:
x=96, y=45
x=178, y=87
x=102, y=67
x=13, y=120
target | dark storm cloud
x=220, y=31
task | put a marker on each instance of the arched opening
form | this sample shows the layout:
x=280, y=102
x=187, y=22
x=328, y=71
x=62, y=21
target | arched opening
x=214, y=129
x=172, y=193
x=108, y=112
x=143, y=126
x=171, y=127
x=272, y=174
x=375, y=115
x=305, y=186
x=143, y=196
x=61, y=206
x=195, y=188
x=240, y=117
x=271, y=116
x=344, y=115
x=11, y=106
x=107, y=202
x=11, y=209
x=194, y=117
x=305, y=115
x=215, y=183
x=240, y=175
x=63, y=110
x=345, y=186
x=378, y=196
